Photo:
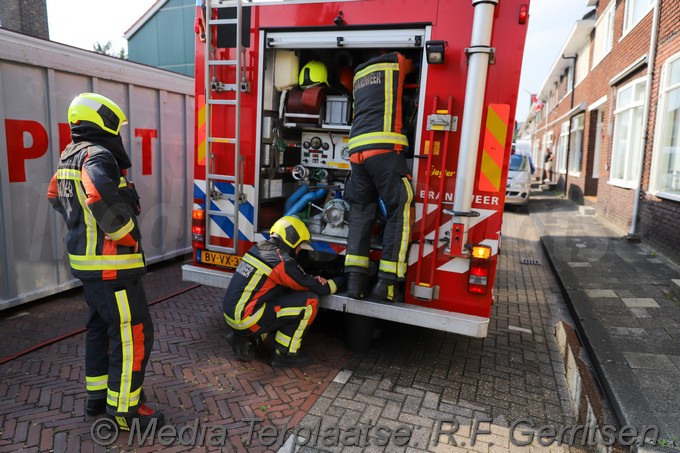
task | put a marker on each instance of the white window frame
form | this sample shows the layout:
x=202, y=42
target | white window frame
x=570, y=80
x=536, y=151
x=629, y=22
x=631, y=156
x=547, y=143
x=660, y=130
x=582, y=63
x=576, y=129
x=562, y=149
x=604, y=34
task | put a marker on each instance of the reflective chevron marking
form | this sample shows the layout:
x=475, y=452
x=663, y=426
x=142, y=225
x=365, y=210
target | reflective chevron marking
x=495, y=136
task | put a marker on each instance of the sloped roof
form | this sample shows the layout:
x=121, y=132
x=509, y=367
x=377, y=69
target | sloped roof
x=144, y=19
x=578, y=36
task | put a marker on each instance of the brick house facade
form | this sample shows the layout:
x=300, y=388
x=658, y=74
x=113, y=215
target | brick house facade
x=659, y=215
x=25, y=16
x=599, y=110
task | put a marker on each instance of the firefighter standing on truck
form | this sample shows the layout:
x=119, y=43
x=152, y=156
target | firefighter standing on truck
x=100, y=208
x=271, y=292
x=379, y=169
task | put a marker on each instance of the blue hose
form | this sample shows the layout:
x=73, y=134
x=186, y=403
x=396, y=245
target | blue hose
x=303, y=189
x=307, y=198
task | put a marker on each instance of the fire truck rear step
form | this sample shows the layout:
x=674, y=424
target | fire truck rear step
x=469, y=325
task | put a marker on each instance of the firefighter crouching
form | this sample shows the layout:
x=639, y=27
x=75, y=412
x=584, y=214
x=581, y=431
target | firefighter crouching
x=379, y=169
x=270, y=292
x=100, y=208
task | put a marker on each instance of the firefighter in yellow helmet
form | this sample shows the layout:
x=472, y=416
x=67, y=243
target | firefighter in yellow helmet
x=270, y=292
x=100, y=208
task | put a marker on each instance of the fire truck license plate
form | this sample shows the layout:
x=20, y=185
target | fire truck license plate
x=218, y=259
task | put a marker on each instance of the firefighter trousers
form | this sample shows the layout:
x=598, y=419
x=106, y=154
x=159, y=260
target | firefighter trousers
x=118, y=342
x=289, y=315
x=384, y=174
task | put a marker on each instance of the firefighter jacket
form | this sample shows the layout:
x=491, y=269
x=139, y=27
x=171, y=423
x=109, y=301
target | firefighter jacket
x=266, y=272
x=100, y=208
x=378, y=88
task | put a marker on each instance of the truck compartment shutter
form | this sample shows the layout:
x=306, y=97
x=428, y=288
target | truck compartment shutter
x=397, y=39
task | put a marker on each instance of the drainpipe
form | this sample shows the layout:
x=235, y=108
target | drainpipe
x=571, y=106
x=573, y=73
x=479, y=55
x=651, y=56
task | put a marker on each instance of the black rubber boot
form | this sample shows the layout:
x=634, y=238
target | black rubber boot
x=357, y=285
x=95, y=407
x=243, y=347
x=388, y=290
x=287, y=360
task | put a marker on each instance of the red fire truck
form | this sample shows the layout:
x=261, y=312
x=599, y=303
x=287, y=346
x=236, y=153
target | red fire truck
x=265, y=147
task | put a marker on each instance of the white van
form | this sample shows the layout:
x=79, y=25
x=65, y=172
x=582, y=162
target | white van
x=518, y=190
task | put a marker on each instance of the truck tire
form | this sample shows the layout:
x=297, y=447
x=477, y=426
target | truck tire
x=358, y=332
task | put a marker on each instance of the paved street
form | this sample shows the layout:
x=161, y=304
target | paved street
x=414, y=377
x=412, y=384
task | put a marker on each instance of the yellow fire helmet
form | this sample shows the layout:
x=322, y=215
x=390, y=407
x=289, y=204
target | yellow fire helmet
x=292, y=231
x=312, y=74
x=97, y=109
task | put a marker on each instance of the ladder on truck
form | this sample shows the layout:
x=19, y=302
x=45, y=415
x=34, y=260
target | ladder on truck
x=228, y=218
x=439, y=122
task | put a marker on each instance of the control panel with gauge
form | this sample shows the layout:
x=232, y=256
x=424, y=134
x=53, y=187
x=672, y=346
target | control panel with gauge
x=325, y=149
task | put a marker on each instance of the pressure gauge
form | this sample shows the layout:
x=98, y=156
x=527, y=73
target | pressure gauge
x=306, y=144
x=315, y=143
x=325, y=146
x=345, y=153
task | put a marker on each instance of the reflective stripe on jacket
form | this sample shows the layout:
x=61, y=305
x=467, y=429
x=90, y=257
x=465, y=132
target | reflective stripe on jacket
x=264, y=273
x=378, y=87
x=100, y=208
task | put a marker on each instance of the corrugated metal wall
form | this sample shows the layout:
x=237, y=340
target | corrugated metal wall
x=38, y=80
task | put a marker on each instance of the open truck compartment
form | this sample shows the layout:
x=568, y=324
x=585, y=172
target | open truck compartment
x=304, y=133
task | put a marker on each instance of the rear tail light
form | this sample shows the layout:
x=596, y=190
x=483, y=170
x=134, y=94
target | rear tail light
x=479, y=269
x=523, y=13
x=198, y=228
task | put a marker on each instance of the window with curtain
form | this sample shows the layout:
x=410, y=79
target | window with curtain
x=576, y=144
x=667, y=139
x=627, y=143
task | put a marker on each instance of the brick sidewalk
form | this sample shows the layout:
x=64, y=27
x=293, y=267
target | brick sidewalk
x=620, y=294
